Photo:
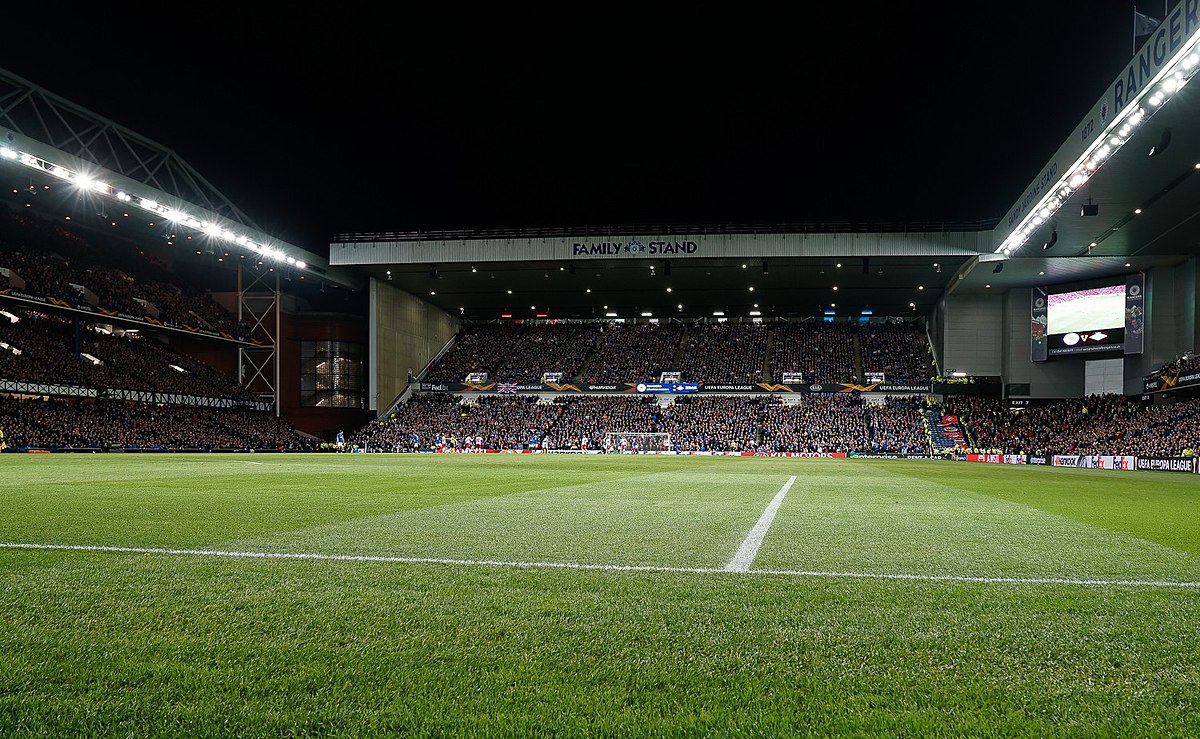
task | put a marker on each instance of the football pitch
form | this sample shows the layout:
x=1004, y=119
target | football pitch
x=430, y=595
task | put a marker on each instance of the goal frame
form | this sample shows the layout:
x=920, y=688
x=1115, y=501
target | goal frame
x=612, y=440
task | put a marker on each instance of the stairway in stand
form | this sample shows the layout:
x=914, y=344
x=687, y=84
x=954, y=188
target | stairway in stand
x=859, y=379
x=766, y=368
x=945, y=432
x=677, y=360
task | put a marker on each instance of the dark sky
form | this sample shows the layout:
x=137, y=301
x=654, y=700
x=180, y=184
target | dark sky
x=331, y=119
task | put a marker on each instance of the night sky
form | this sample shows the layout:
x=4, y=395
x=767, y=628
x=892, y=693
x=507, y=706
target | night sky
x=329, y=120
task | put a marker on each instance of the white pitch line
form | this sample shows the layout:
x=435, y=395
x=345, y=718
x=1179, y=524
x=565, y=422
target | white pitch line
x=357, y=558
x=1082, y=582
x=749, y=549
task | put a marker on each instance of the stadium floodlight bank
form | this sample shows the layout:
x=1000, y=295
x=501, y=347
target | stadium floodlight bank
x=624, y=442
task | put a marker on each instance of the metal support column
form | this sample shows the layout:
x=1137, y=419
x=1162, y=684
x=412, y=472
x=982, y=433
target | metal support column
x=258, y=304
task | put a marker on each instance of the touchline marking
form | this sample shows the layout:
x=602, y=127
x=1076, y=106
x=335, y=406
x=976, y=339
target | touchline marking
x=749, y=549
x=357, y=558
x=1083, y=582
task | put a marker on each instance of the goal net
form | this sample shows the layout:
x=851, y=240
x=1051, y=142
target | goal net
x=625, y=442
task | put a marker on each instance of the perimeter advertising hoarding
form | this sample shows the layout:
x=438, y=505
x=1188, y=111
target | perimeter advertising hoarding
x=659, y=387
x=1170, y=381
x=1169, y=464
x=1096, y=462
x=668, y=388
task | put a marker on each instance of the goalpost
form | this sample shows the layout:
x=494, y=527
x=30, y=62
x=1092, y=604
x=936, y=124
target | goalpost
x=627, y=442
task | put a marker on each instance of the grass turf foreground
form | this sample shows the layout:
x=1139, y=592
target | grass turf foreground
x=105, y=643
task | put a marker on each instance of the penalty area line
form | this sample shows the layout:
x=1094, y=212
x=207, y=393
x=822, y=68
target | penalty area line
x=970, y=579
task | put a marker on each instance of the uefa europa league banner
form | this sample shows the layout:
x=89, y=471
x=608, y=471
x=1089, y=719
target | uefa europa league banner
x=1038, y=305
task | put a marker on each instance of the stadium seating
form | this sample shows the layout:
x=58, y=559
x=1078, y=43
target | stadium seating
x=705, y=352
x=822, y=351
x=542, y=348
x=1098, y=424
x=724, y=353
x=108, y=424
x=633, y=352
x=46, y=260
x=898, y=350
x=478, y=348
x=135, y=362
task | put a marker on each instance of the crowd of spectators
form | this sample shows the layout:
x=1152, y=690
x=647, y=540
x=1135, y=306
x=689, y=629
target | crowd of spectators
x=108, y=424
x=585, y=421
x=707, y=424
x=816, y=423
x=898, y=349
x=1097, y=424
x=896, y=426
x=444, y=421
x=499, y=422
x=633, y=352
x=543, y=348
x=822, y=351
x=478, y=348
x=54, y=262
x=132, y=362
x=606, y=353
x=724, y=353
x=844, y=422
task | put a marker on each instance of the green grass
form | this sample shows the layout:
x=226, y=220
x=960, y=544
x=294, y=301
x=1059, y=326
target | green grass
x=103, y=643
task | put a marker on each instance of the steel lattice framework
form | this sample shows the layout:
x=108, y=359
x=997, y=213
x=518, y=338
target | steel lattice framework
x=43, y=116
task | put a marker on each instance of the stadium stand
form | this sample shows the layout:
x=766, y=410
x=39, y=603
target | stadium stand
x=724, y=353
x=108, y=424
x=89, y=384
x=823, y=352
x=584, y=418
x=433, y=421
x=477, y=348
x=45, y=260
x=1097, y=424
x=898, y=350
x=543, y=348
x=701, y=424
x=705, y=352
x=133, y=362
x=632, y=352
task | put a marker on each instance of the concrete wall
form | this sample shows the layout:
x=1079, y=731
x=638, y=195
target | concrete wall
x=972, y=335
x=1104, y=376
x=406, y=332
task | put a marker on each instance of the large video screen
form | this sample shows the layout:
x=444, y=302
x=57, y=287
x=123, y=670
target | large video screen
x=1085, y=311
x=1093, y=319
